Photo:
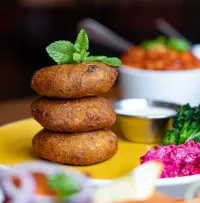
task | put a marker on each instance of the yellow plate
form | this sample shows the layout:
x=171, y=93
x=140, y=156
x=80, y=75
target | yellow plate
x=15, y=147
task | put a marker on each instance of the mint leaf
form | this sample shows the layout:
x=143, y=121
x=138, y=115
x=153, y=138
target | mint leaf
x=94, y=58
x=61, y=51
x=85, y=55
x=112, y=61
x=80, y=57
x=63, y=185
x=81, y=46
x=82, y=42
x=77, y=57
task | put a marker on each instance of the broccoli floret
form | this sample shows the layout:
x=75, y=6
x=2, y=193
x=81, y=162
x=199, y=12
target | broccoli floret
x=197, y=139
x=171, y=137
x=183, y=114
x=186, y=126
x=189, y=130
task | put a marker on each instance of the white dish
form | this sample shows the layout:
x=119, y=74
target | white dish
x=179, y=87
x=160, y=182
x=175, y=187
x=3, y=168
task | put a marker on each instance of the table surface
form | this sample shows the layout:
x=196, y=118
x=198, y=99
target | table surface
x=13, y=110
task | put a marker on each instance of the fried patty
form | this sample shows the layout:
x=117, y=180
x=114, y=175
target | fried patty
x=75, y=115
x=74, y=80
x=76, y=148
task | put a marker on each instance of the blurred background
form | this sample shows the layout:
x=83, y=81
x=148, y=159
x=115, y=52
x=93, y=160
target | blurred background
x=28, y=26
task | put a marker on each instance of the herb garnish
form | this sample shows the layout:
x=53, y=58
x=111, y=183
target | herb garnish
x=63, y=52
x=63, y=185
x=176, y=44
x=186, y=126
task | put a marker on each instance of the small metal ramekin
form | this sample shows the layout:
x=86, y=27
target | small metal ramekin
x=140, y=128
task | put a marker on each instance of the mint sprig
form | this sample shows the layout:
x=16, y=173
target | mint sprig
x=63, y=52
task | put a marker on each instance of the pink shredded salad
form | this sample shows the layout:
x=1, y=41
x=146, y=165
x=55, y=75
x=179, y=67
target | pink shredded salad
x=181, y=160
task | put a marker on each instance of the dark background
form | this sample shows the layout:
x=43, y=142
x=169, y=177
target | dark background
x=28, y=26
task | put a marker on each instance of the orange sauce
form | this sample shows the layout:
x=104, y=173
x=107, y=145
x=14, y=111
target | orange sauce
x=159, y=58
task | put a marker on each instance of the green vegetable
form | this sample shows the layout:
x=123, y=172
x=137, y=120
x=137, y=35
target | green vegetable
x=161, y=40
x=171, y=43
x=197, y=139
x=171, y=137
x=178, y=44
x=186, y=126
x=63, y=185
x=63, y=52
x=183, y=114
x=149, y=44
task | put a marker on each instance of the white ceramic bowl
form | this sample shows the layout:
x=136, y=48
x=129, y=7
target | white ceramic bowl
x=179, y=87
x=175, y=187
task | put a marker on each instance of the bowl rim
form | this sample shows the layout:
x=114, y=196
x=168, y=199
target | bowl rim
x=138, y=71
x=160, y=182
x=178, y=180
x=150, y=102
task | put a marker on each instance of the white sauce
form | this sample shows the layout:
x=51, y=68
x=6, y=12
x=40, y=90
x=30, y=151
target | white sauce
x=148, y=111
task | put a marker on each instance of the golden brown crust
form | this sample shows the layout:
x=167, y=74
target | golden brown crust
x=75, y=115
x=77, y=148
x=74, y=80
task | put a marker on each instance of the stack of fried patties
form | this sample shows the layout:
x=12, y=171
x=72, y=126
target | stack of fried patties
x=74, y=117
